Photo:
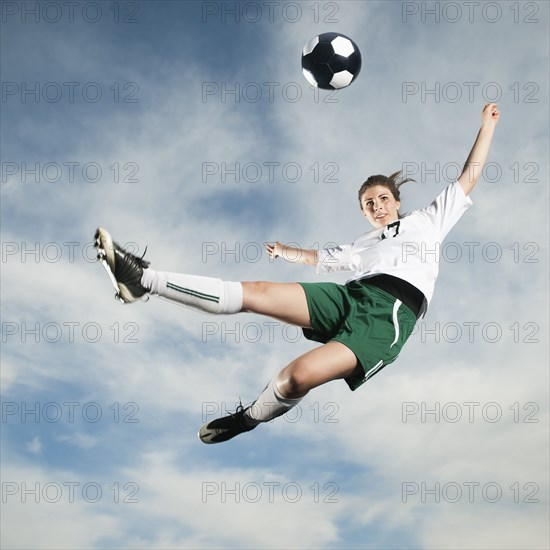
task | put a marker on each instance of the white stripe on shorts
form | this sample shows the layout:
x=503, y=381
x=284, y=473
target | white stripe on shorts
x=374, y=370
x=396, y=306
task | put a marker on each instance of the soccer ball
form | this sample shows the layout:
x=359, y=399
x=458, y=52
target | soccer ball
x=331, y=61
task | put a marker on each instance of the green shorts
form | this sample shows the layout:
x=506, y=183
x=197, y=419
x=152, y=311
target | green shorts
x=370, y=322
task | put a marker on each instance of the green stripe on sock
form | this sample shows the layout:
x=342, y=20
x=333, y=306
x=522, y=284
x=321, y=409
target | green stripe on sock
x=196, y=294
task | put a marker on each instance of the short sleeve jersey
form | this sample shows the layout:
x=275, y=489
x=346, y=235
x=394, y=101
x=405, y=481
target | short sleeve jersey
x=407, y=248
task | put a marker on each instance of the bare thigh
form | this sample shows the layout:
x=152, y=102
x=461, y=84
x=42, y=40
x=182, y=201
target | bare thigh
x=332, y=361
x=283, y=301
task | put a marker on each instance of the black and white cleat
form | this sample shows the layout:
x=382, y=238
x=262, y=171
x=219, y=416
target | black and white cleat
x=102, y=258
x=225, y=428
x=124, y=269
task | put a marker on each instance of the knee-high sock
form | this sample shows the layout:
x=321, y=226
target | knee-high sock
x=270, y=404
x=205, y=294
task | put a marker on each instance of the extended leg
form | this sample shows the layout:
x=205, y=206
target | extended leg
x=133, y=278
x=283, y=301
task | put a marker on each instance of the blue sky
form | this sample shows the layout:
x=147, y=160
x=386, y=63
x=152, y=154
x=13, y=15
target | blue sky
x=110, y=458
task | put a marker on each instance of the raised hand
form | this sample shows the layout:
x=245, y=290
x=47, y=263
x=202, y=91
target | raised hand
x=490, y=114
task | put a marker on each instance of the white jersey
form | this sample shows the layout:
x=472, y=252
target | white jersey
x=407, y=248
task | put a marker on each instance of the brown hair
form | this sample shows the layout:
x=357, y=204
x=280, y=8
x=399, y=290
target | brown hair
x=392, y=183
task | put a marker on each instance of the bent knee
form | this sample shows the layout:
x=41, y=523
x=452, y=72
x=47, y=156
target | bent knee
x=295, y=380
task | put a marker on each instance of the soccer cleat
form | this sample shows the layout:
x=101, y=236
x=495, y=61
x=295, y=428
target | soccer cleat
x=125, y=270
x=225, y=428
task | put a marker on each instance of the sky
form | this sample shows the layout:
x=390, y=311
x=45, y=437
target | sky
x=188, y=128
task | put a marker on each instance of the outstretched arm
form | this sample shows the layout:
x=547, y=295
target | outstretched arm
x=291, y=254
x=476, y=159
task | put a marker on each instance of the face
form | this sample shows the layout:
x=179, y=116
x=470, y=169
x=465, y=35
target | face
x=379, y=206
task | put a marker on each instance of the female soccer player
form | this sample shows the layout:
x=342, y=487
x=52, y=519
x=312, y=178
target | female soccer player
x=362, y=324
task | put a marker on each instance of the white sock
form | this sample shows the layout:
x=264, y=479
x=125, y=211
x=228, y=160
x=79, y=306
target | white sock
x=205, y=294
x=270, y=404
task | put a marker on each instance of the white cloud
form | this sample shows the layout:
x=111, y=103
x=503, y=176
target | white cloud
x=255, y=501
x=81, y=440
x=34, y=446
x=54, y=503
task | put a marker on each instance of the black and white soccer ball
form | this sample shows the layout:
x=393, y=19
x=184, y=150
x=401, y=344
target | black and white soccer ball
x=331, y=61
